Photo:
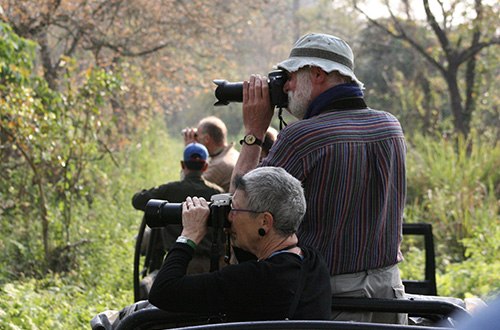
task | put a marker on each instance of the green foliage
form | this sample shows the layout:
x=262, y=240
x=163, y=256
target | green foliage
x=426, y=82
x=479, y=274
x=16, y=56
x=452, y=185
x=50, y=304
x=455, y=186
x=415, y=94
x=49, y=142
x=101, y=277
x=414, y=260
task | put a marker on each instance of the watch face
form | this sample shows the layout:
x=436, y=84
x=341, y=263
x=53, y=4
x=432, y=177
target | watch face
x=181, y=240
x=250, y=139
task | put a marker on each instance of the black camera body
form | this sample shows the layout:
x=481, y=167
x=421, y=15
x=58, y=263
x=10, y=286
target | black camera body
x=227, y=92
x=160, y=213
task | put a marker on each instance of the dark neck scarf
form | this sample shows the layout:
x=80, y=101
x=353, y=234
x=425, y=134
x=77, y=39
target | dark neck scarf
x=335, y=93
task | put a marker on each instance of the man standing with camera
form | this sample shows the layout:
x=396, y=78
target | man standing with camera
x=351, y=160
x=212, y=133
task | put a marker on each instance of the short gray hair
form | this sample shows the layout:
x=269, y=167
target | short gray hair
x=272, y=189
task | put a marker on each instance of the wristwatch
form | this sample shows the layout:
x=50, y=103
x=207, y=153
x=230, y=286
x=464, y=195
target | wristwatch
x=185, y=240
x=251, y=139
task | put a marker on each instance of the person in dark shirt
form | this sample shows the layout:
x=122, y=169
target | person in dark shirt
x=288, y=280
x=193, y=184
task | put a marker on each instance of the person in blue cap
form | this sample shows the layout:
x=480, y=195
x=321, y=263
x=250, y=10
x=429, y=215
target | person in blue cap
x=194, y=165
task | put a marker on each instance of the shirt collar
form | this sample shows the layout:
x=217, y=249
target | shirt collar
x=335, y=93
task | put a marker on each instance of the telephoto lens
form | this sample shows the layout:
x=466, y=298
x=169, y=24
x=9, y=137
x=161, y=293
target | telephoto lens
x=227, y=92
x=161, y=213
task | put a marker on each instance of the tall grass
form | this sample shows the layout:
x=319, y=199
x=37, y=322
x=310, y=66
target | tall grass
x=455, y=186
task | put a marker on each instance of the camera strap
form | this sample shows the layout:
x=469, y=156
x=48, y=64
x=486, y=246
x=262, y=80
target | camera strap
x=282, y=121
x=227, y=257
x=349, y=103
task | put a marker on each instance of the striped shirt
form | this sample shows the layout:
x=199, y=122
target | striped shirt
x=352, y=166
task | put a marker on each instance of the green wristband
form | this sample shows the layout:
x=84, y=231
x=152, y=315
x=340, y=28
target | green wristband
x=185, y=240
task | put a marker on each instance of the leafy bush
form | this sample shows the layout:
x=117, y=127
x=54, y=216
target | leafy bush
x=66, y=222
x=479, y=274
x=101, y=276
x=455, y=186
x=50, y=142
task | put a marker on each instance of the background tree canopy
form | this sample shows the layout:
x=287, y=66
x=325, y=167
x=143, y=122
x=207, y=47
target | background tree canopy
x=94, y=93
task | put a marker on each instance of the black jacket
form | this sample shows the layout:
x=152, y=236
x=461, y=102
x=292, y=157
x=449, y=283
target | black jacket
x=251, y=290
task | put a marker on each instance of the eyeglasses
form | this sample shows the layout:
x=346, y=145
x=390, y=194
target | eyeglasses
x=243, y=210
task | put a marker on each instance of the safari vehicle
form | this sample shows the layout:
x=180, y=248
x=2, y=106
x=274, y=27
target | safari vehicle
x=425, y=309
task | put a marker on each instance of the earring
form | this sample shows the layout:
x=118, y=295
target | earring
x=262, y=232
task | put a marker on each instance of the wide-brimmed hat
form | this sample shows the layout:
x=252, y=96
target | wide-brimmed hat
x=322, y=50
x=195, y=152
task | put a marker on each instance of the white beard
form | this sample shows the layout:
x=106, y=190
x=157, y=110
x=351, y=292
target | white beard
x=299, y=100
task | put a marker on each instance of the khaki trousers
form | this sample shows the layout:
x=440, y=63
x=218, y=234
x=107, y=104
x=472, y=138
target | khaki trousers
x=382, y=282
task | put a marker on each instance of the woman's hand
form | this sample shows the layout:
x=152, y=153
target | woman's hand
x=195, y=213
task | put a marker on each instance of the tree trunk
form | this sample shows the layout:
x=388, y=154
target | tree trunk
x=471, y=97
x=456, y=102
x=49, y=71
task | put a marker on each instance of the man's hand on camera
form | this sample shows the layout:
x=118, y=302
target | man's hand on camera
x=189, y=135
x=257, y=108
x=195, y=213
x=257, y=115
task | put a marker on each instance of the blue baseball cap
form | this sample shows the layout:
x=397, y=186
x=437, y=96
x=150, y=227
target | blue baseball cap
x=195, y=152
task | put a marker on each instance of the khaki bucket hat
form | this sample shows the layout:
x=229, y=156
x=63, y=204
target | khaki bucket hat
x=322, y=50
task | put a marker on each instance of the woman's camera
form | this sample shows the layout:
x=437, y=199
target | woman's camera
x=160, y=213
x=227, y=92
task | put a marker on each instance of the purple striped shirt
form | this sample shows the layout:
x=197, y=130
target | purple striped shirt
x=352, y=166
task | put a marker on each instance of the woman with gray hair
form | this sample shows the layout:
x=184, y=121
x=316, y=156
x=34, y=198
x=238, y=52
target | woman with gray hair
x=287, y=281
